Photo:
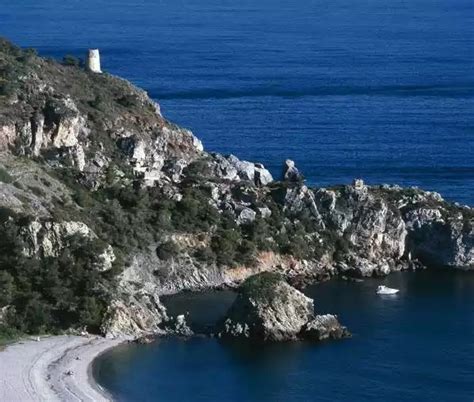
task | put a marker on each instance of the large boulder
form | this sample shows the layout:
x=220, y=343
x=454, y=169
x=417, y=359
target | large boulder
x=267, y=308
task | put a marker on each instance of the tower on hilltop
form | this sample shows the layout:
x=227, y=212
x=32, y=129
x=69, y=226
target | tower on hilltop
x=93, y=61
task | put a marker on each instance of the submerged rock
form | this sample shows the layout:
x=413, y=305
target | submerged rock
x=267, y=308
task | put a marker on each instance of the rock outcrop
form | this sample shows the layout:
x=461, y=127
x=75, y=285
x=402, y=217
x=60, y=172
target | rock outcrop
x=267, y=308
x=291, y=172
x=135, y=317
x=90, y=156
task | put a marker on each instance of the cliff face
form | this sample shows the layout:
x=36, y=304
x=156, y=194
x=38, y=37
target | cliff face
x=89, y=156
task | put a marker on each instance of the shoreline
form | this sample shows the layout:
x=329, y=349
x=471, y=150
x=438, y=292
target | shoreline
x=33, y=370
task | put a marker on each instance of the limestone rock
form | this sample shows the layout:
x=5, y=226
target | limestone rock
x=324, y=327
x=245, y=216
x=291, y=172
x=49, y=238
x=267, y=308
x=179, y=326
x=139, y=316
x=441, y=241
x=7, y=136
x=262, y=176
x=248, y=171
x=358, y=184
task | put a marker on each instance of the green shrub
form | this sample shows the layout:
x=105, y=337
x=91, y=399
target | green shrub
x=52, y=294
x=5, y=214
x=224, y=244
x=128, y=100
x=73, y=61
x=205, y=255
x=37, y=191
x=97, y=102
x=8, y=334
x=167, y=250
x=260, y=285
x=5, y=176
x=7, y=288
x=197, y=169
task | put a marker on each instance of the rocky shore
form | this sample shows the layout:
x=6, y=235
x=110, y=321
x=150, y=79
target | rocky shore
x=105, y=206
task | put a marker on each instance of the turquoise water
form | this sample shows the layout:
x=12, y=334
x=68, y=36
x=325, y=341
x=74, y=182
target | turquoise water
x=378, y=89
x=416, y=346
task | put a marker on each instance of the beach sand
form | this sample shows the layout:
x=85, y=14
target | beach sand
x=34, y=370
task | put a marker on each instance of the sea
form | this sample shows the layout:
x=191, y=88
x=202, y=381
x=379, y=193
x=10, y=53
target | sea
x=381, y=90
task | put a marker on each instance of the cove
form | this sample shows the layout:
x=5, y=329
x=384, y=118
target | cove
x=415, y=346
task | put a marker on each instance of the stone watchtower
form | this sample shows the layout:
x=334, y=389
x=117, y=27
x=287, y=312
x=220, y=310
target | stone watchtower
x=93, y=61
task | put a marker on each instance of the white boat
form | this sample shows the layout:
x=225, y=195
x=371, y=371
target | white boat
x=384, y=290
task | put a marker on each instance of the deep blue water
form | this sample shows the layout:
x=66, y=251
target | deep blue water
x=378, y=89
x=381, y=89
x=416, y=346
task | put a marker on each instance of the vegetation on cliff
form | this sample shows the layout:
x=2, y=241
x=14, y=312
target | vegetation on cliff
x=105, y=206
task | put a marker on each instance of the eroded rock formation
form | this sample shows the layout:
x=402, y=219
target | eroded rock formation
x=90, y=155
x=267, y=308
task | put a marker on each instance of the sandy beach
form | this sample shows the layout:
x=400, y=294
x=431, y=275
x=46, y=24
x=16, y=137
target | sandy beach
x=55, y=368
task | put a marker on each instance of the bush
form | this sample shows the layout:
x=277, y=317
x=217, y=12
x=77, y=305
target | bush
x=197, y=169
x=128, y=100
x=224, y=244
x=5, y=214
x=194, y=213
x=205, y=255
x=5, y=176
x=52, y=294
x=27, y=55
x=261, y=285
x=97, y=103
x=7, y=288
x=72, y=61
x=167, y=250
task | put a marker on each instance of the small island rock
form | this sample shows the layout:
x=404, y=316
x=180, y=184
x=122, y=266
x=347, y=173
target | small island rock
x=267, y=308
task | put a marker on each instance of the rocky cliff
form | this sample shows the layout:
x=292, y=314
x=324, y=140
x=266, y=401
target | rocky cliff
x=97, y=187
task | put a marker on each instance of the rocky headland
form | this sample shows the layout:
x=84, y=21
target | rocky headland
x=105, y=206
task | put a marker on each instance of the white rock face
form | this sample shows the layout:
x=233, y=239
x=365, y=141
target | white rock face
x=262, y=176
x=139, y=316
x=246, y=216
x=358, y=184
x=62, y=126
x=7, y=136
x=70, y=125
x=106, y=259
x=48, y=239
x=248, y=171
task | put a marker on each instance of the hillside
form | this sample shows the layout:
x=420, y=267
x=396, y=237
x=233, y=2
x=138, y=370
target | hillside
x=105, y=206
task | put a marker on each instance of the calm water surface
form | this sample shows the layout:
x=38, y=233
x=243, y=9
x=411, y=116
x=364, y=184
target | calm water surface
x=381, y=89
x=415, y=346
